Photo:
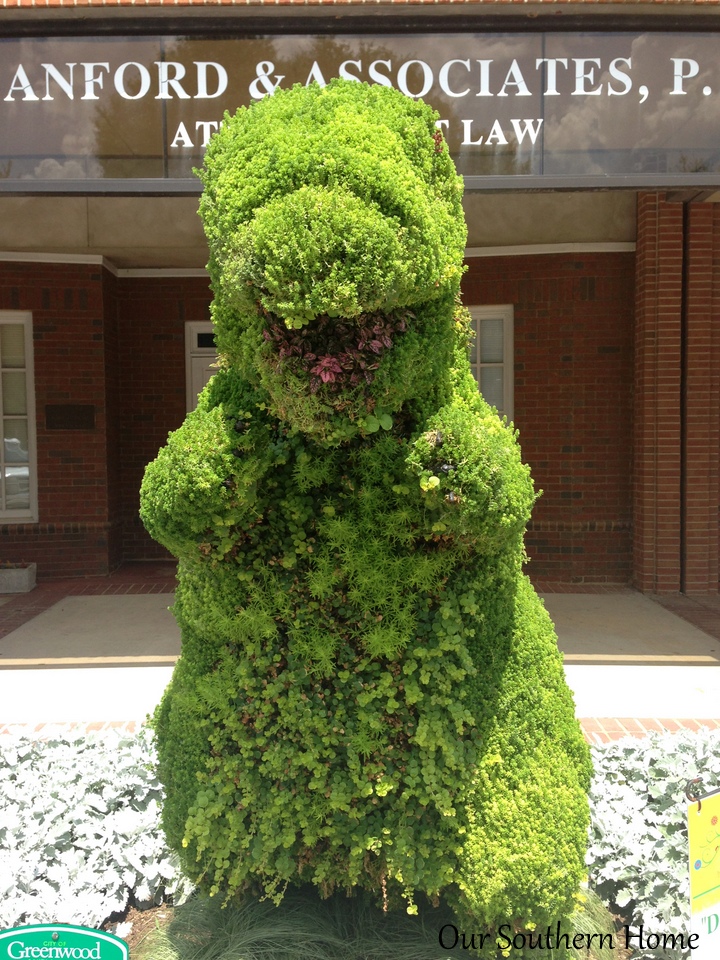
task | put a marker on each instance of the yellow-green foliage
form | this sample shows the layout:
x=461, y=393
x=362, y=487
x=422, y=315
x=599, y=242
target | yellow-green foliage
x=327, y=203
x=370, y=693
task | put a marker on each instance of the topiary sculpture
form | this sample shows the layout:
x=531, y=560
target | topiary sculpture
x=370, y=693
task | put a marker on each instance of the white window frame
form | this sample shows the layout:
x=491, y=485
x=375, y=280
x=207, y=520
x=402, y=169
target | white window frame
x=7, y=516
x=506, y=313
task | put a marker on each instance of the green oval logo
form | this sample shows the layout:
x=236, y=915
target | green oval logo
x=60, y=941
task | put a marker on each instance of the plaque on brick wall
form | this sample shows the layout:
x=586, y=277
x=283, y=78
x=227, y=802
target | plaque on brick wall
x=70, y=416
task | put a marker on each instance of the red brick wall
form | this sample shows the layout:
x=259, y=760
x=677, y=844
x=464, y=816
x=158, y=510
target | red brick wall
x=657, y=389
x=701, y=441
x=68, y=310
x=573, y=339
x=118, y=345
x=677, y=437
x=151, y=315
x=583, y=373
x=573, y=403
x=114, y=406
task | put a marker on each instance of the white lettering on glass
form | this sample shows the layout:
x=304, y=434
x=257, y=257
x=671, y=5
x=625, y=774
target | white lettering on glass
x=345, y=73
x=585, y=75
x=166, y=83
x=683, y=69
x=617, y=74
x=496, y=134
x=376, y=76
x=529, y=127
x=263, y=85
x=21, y=84
x=182, y=137
x=551, y=89
x=316, y=76
x=402, y=79
x=119, y=80
x=65, y=85
x=208, y=127
x=484, y=90
x=93, y=80
x=515, y=79
x=221, y=79
x=444, y=78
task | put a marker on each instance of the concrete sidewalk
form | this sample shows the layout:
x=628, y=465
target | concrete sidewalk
x=95, y=658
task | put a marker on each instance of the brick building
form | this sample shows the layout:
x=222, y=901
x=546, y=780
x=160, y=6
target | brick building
x=587, y=135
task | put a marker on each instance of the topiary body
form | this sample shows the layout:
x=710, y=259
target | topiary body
x=369, y=693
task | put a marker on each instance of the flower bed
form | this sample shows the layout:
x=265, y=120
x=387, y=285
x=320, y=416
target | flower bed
x=80, y=836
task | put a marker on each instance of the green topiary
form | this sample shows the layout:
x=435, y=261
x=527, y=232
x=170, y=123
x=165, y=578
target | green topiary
x=370, y=693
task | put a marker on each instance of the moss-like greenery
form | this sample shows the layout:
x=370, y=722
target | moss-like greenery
x=370, y=693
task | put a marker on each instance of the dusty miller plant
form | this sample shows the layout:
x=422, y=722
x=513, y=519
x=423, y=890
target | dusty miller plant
x=638, y=852
x=80, y=834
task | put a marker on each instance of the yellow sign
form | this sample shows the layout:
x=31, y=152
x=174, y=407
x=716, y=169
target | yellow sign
x=704, y=837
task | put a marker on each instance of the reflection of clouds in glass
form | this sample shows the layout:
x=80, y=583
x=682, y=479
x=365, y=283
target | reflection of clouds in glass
x=74, y=144
x=50, y=169
x=654, y=135
x=173, y=45
x=34, y=125
x=622, y=123
x=594, y=122
x=683, y=121
x=572, y=165
x=287, y=48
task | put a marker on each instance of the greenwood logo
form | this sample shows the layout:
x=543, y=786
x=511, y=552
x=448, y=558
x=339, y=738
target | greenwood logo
x=60, y=941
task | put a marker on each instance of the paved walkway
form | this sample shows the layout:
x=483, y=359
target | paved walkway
x=97, y=653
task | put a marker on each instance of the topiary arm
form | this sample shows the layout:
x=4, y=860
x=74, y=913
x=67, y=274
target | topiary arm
x=202, y=487
x=468, y=465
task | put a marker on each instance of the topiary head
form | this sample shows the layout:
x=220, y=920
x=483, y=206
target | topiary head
x=336, y=240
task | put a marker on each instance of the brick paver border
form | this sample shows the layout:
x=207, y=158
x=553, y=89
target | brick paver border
x=141, y=578
x=135, y=578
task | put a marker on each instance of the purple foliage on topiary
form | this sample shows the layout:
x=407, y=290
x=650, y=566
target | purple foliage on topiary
x=336, y=352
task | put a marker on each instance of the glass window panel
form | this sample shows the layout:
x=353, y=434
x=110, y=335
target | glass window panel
x=15, y=441
x=14, y=393
x=17, y=488
x=12, y=345
x=491, y=341
x=473, y=342
x=491, y=386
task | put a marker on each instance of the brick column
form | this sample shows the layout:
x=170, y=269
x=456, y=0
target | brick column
x=676, y=482
x=702, y=401
x=657, y=426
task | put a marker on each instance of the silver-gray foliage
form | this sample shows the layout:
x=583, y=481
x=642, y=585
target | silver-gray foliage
x=638, y=852
x=80, y=829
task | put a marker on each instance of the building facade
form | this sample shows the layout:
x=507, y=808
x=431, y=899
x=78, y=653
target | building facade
x=588, y=138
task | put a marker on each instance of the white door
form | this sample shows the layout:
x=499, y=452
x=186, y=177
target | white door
x=201, y=369
x=200, y=358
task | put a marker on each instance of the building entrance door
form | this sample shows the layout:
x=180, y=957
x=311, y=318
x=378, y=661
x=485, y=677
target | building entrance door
x=200, y=359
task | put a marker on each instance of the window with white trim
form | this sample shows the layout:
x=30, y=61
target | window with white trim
x=491, y=355
x=18, y=470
